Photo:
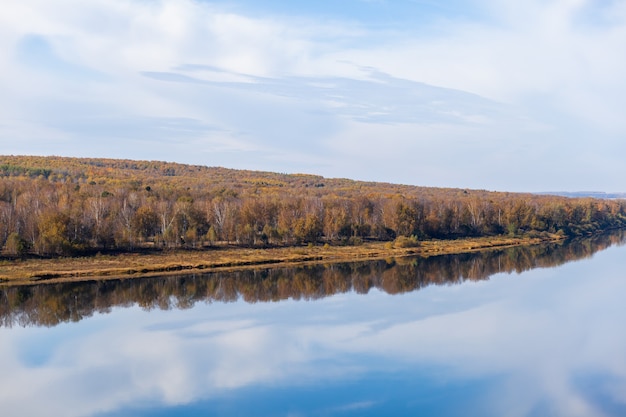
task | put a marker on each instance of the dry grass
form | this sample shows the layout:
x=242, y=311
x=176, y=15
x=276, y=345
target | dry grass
x=158, y=263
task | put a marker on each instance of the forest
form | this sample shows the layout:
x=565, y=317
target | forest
x=57, y=206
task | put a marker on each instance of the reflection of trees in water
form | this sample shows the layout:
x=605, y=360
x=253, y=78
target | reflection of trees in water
x=51, y=304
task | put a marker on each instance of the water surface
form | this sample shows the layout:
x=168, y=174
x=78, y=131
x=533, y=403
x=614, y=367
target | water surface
x=519, y=332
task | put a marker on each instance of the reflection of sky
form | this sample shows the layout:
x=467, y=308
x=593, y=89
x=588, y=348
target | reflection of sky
x=546, y=342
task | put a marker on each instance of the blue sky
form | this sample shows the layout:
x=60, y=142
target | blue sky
x=515, y=95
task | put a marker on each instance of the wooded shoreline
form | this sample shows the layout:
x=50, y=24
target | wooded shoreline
x=78, y=218
x=144, y=264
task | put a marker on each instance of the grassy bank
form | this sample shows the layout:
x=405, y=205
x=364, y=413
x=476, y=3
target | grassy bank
x=14, y=272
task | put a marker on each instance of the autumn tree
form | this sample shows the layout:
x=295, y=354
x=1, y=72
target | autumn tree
x=145, y=222
x=53, y=234
x=16, y=245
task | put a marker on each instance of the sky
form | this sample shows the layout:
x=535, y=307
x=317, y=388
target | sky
x=483, y=94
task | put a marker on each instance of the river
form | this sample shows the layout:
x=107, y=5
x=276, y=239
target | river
x=536, y=331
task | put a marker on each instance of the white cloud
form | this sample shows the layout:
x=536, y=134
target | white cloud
x=528, y=51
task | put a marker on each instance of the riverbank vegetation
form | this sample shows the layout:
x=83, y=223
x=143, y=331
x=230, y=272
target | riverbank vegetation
x=153, y=262
x=53, y=206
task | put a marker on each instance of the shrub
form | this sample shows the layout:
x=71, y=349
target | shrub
x=16, y=245
x=406, y=242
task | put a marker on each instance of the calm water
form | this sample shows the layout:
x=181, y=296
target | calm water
x=526, y=332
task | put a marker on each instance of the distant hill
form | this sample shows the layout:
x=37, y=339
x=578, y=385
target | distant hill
x=584, y=194
x=111, y=172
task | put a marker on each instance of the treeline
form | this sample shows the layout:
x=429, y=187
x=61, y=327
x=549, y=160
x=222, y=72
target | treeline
x=62, y=206
x=51, y=304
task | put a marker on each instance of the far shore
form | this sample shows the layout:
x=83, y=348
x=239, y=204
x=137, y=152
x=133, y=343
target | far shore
x=142, y=264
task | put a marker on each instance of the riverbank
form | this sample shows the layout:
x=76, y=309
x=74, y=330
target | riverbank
x=130, y=265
